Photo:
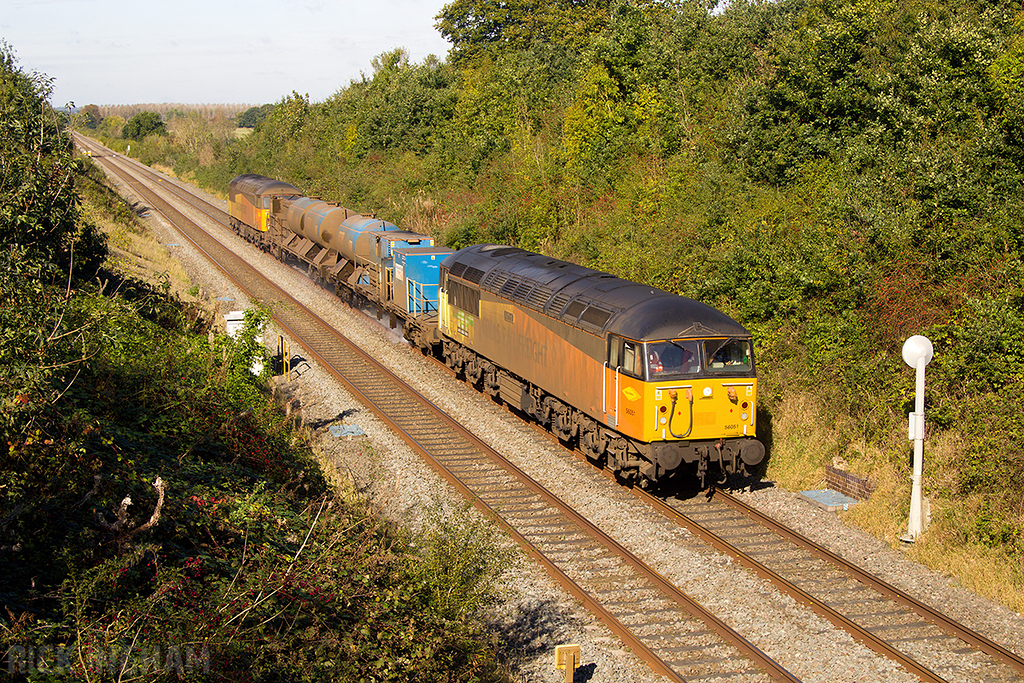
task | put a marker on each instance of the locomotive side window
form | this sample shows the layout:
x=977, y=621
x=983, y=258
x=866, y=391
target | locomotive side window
x=632, y=359
x=464, y=297
x=728, y=355
x=613, y=352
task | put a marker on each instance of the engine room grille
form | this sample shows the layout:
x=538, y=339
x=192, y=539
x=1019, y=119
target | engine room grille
x=596, y=316
x=509, y=287
x=556, y=305
x=494, y=280
x=538, y=297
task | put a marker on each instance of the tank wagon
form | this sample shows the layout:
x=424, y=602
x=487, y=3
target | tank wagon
x=353, y=252
x=649, y=383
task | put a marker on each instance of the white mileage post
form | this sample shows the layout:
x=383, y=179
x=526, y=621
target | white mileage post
x=917, y=353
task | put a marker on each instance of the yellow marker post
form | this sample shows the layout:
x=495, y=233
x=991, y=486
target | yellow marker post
x=285, y=353
x=567, y=657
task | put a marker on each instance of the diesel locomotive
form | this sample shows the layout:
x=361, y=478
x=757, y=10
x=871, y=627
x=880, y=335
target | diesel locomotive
x=648, y=383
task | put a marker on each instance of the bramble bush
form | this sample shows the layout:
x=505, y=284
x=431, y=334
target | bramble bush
x=249, y=555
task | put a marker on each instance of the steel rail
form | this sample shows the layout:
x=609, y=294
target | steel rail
x=724, y=631
x=931, y=615
x=838, y=619
x=951, y=627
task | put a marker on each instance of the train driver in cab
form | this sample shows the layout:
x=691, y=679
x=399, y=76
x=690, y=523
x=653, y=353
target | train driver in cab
x=672, y=358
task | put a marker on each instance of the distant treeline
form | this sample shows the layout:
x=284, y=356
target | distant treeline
x=207, y=111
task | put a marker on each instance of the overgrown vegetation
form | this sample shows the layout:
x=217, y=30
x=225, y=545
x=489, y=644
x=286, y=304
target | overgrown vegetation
x=159, y=517
x=835, y=175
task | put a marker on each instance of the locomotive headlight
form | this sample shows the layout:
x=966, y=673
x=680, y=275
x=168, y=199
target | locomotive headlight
x=707, y=392
x=744, y=416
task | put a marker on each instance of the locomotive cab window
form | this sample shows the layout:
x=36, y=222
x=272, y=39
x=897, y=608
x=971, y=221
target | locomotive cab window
x=633, y=359
x=672, y=359
x=729, y=355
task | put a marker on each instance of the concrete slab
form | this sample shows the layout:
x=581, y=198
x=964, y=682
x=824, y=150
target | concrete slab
x=829, y=500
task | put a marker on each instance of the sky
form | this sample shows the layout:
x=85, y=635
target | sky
x=213, y=51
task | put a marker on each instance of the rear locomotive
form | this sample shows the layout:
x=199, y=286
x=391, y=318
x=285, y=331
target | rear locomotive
x=250, y=202
x=649, y=383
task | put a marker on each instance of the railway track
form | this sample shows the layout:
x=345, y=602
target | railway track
x=660, y=624
x=671, y=632
x=889, y=621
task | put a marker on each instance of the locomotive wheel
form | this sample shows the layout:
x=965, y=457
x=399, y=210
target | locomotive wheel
x=491, y=386
x=563, y=424
x=474, y=371
x=591, y=443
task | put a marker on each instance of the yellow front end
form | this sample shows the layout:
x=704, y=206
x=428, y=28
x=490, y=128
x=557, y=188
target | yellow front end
x=701, y=409
x=697, y=409
x=245, y=211
x=261, y=219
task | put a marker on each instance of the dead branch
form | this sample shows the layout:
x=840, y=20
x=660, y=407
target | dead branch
x=122, y=514
x=155, y=517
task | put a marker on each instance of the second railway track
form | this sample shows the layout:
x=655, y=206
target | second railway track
x=891, y=622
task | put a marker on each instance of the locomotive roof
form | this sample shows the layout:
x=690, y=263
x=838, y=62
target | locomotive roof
x=586, y=298
x=251, y=183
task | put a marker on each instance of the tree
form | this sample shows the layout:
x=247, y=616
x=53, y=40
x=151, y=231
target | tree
x=403, y=104
x=476, y=27
x=142, y=125
x=90, y=117
x=252, y=116
x=40, y=213
x=111, y=126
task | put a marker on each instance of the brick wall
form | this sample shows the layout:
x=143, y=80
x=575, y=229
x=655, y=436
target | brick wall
x=852, y=485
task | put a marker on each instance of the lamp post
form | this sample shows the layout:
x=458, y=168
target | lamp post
x=917, y=353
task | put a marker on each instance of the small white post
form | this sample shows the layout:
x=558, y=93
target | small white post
x=917, y=353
